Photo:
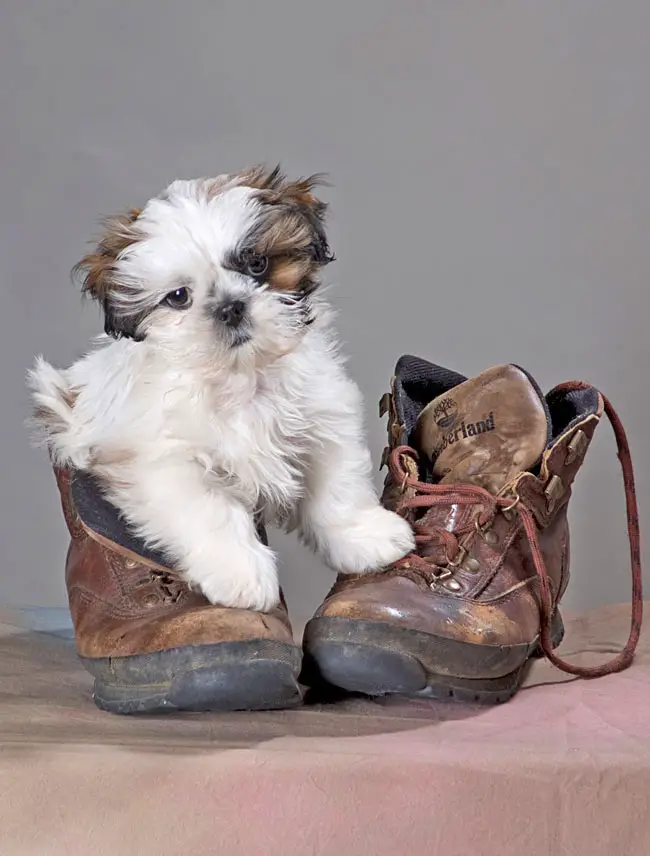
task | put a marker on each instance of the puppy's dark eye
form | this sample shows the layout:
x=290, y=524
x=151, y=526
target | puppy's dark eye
x=256, y=265
x=180, y=298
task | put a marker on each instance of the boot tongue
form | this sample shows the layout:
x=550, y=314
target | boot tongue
x=486, y=430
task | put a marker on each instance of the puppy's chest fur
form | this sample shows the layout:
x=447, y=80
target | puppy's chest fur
x=250, y=435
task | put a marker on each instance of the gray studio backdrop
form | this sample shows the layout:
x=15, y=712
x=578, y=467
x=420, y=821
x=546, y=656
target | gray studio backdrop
x=491, y=203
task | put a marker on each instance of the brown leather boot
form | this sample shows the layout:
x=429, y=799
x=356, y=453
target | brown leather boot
x=483, y=469
x=151, y=643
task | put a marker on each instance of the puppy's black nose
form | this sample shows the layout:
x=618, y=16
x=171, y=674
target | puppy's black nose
x=231, y=313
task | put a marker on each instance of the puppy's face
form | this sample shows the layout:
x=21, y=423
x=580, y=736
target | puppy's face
x=224, y=266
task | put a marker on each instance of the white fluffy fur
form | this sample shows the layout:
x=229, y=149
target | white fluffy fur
x=190, y=435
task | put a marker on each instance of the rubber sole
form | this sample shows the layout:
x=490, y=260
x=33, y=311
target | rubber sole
x=250, y=675
x=377, y=659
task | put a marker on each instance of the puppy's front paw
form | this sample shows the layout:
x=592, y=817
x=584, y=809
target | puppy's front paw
x=373, y=539
x=247, y=579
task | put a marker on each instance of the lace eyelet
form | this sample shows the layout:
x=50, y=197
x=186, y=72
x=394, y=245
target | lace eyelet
x=508, y=508
x=471, y=565
x=459, y=559
x=486, y=532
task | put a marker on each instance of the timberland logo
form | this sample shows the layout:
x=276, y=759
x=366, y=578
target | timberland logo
x=465, y=430
x=445, y=413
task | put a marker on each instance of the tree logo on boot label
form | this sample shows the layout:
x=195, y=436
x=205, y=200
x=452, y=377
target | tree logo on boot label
x=445, y=413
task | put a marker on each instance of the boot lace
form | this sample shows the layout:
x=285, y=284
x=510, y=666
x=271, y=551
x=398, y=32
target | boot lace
x=455, y=544
x=167, y=585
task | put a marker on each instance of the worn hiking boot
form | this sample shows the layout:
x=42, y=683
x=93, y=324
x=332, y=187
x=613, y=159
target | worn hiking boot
x=483, y=470
x=150, y=642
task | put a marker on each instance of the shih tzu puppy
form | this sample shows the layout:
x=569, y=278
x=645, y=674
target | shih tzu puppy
x=217, y=393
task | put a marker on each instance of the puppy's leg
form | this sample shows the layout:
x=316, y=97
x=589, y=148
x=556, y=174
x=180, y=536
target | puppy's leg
x=209, y=532
x=340, y=515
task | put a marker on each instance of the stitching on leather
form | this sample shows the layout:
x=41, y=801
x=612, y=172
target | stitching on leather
x=115, y=612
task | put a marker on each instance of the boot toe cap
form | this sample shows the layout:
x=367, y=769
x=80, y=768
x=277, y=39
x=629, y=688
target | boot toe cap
x=401, y=603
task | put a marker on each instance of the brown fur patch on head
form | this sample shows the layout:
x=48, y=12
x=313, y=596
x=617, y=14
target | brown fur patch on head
x=290, y=274
x=97, y=269
x=276, y=189
x=291, y=232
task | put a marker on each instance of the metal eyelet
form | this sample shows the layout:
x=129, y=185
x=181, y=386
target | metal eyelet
x=515, y=502
x=442, y=574
x=130, y=564
x=486, y=532
x=452, y=585
x=460, y=558
x=554, y=491
x=151, y=600
x=509, y=511
x=384, y=458
x=576, y=448
x=471, y=565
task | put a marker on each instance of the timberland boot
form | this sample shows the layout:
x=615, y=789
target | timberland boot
x=151, y=643
x=483, y=469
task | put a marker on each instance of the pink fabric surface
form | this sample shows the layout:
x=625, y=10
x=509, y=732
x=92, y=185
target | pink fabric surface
x=562, y=769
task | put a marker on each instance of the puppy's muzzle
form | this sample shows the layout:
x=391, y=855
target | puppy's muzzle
x=232, y=313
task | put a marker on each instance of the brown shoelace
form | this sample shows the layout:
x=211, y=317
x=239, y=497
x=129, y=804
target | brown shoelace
x=167, y=585
x=455, y=543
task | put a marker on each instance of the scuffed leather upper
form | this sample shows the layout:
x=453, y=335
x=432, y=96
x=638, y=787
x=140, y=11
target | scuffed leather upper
x=123, y=603
x=492, y=596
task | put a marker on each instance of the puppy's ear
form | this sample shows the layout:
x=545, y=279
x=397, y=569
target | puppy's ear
x=301, y=194
x=294, y=198
x=314, y=211
x=98, y=273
